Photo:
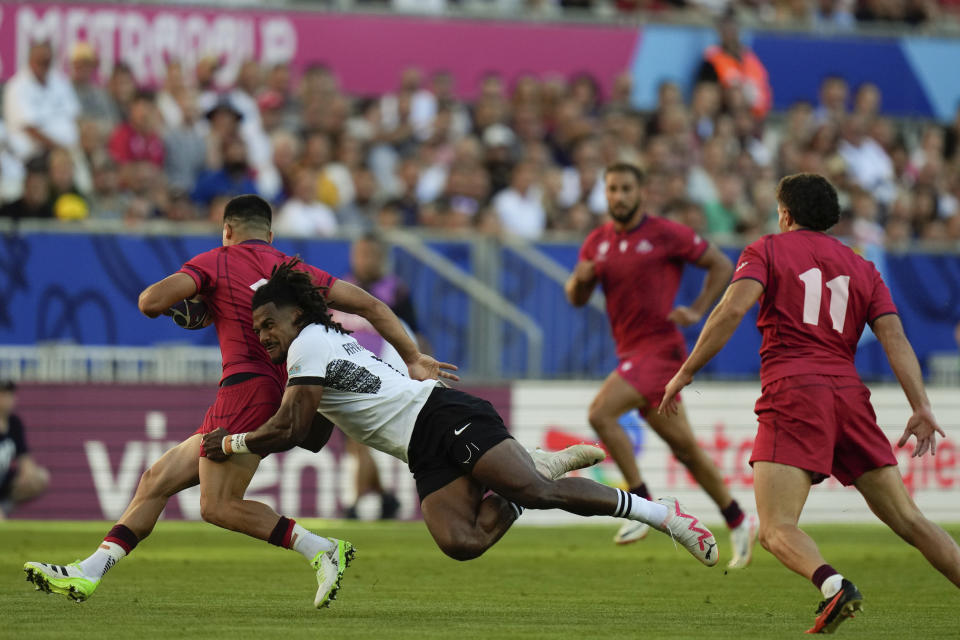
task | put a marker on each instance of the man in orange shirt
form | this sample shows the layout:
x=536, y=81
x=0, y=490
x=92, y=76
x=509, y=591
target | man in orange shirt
x=733, y=66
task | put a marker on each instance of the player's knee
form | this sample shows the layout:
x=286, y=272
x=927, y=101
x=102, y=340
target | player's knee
x=768, y=536
x=598, y=418
x=214, y=511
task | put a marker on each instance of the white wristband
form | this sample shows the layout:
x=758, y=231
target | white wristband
x=234, y=444
x=238, y=442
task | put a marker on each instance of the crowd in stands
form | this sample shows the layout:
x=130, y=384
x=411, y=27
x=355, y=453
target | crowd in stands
x=524, y=158
x=828, y=15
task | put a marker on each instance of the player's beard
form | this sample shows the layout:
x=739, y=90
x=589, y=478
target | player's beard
x=624, y=218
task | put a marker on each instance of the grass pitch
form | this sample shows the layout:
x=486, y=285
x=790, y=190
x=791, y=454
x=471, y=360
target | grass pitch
x=193, y=580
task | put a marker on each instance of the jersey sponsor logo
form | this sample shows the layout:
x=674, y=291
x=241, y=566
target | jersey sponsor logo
x=644, y=246
x=344, y=375
x=603, y=247
x=742, y=265
x=623, y=246
x=457, y=432
x=295, y=369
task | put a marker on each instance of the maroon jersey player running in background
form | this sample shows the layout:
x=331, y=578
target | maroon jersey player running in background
x=638, y=260
x=814, y=413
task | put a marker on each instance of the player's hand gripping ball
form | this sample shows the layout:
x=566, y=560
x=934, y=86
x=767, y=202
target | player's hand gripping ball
x=189, y=314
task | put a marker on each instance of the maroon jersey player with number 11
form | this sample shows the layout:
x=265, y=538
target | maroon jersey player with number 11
x=815, y=416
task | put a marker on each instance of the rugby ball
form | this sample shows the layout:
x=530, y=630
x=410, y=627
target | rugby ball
x=189, y=314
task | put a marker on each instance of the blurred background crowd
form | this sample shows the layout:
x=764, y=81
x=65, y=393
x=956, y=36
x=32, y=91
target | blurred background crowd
x=523, y=158
x=815, y=14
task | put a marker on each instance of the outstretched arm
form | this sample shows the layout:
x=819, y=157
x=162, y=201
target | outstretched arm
x=160, y=296
x=287, y=428
x=740, y=296
x=352, y=299
x=922, y=424
x=719, y=269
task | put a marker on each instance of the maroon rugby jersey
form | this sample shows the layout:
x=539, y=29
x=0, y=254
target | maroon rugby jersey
x=639, y=271
x=225, y=277
x=818, y=295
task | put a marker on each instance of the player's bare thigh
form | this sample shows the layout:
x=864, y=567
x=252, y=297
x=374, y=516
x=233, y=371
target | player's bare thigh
x=616, y=397
x=674, y=429
x=780, y=491
x=887, y=496
x=450, y=512
x=176, y=470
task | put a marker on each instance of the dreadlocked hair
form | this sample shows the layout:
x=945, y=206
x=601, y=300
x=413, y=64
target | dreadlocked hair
x=291, y=287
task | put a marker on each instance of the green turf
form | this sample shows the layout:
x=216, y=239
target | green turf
x=192, y=580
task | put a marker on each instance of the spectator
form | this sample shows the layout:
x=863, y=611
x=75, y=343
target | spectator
x=832, y=15
x=136, y=139
x=169, y=98
x=106, y=200
x=122, y=88
x=95, y=102
x=583, y=182
x=67, y=201
x=233, y=178
x=834, y=94
x=21, y=478
x=303, y=214
x=35, y=201
x=732, y=65
x=40, y=107
x=868, y=164
x=185, y=145
x=519, y=207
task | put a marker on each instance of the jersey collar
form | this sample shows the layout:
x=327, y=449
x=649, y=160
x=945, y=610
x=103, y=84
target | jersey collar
x=254, y=241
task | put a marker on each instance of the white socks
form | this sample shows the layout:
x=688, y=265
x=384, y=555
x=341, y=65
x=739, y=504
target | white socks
x=633, y=507
x=831, y=585
x=106, y=555
x=308, y=543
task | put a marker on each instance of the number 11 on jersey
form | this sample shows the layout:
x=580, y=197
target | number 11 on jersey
x=813, y=292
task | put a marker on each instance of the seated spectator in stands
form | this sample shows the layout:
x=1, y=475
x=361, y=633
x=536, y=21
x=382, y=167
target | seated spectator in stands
x=136, y=139
x=519, y=207
x=703, y=177
x=122, y=88
x=40, y=107
x=21, y=478
x=169, y=97
x=867, y=100
x=725, y=214
x=67, y=201
x=686, y=212
x=233, y=178
x=583, y=182
x=106, y=200
x=275, y=182
x=35, y=201
x=358, y=214
x=304, y=214
x=834, y=94
x=185, y=145
x=733, y=65
x=832, y=15
x=95, y=102
x=867, y=163
x=390, y=215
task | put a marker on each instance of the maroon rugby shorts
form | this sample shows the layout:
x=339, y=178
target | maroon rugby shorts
x=242, y=407
x=824, y=424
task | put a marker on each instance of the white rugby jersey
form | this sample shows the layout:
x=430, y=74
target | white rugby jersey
x=371, y=401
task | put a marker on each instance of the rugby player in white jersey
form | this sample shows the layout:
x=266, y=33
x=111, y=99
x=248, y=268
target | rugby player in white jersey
x=473, y=478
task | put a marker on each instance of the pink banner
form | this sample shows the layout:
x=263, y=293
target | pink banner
x=367, y=52
x=96, y=441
